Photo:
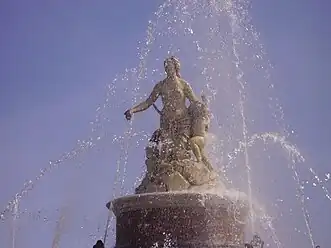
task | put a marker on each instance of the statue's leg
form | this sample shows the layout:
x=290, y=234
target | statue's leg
x=194, y=143
x=165, y=126
x=205, y=160
x=197, y=145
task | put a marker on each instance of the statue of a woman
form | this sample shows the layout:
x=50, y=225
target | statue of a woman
x=173, y=90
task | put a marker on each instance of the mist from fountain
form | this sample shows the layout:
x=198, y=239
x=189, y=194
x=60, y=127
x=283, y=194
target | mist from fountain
x=221, y=56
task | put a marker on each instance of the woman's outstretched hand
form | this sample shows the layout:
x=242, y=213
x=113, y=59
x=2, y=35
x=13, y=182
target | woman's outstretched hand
x=128, y=114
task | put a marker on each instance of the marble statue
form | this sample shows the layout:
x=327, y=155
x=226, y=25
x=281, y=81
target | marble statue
x=175, y=158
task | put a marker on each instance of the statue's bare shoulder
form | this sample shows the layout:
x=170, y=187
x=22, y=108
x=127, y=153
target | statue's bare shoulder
x=188, y=90
x=160, y=84
x=157, y=89
x=184, y=82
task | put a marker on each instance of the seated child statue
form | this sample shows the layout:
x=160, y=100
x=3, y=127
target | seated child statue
x=200, y=121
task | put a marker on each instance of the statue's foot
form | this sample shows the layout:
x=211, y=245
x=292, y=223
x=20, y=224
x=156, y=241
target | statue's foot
x=206, y=162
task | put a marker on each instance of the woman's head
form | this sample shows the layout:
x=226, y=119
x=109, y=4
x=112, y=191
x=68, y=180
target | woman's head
x=172, y=66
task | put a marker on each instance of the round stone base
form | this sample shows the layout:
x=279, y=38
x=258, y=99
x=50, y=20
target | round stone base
x=179, y=219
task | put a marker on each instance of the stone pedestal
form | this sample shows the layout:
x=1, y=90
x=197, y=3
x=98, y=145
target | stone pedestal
x=191, y=220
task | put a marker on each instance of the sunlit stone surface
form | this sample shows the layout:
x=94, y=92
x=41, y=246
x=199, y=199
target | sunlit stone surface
x=188, y=219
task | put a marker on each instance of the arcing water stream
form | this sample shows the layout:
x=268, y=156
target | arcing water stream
x=221, y=55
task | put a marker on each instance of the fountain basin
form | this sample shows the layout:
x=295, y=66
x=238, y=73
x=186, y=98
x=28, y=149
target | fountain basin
x=187, y=219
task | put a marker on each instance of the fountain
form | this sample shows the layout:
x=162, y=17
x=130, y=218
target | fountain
x=222, y=58
x=180, y=188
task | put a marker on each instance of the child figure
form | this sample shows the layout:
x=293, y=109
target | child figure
x=200, y=122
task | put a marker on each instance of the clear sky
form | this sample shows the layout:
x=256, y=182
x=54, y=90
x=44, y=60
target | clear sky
x=56, y=62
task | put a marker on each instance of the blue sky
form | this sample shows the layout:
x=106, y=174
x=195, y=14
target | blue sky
x=56, y=62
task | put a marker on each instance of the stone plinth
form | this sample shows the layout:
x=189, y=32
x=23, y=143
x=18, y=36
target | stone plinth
x=189, y=219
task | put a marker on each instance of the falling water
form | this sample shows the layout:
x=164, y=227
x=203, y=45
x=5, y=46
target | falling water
x=219, y=49
x=15, y=212
x=234, y=29
x=321, y=183
x=60, y=228
x=295, y=156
